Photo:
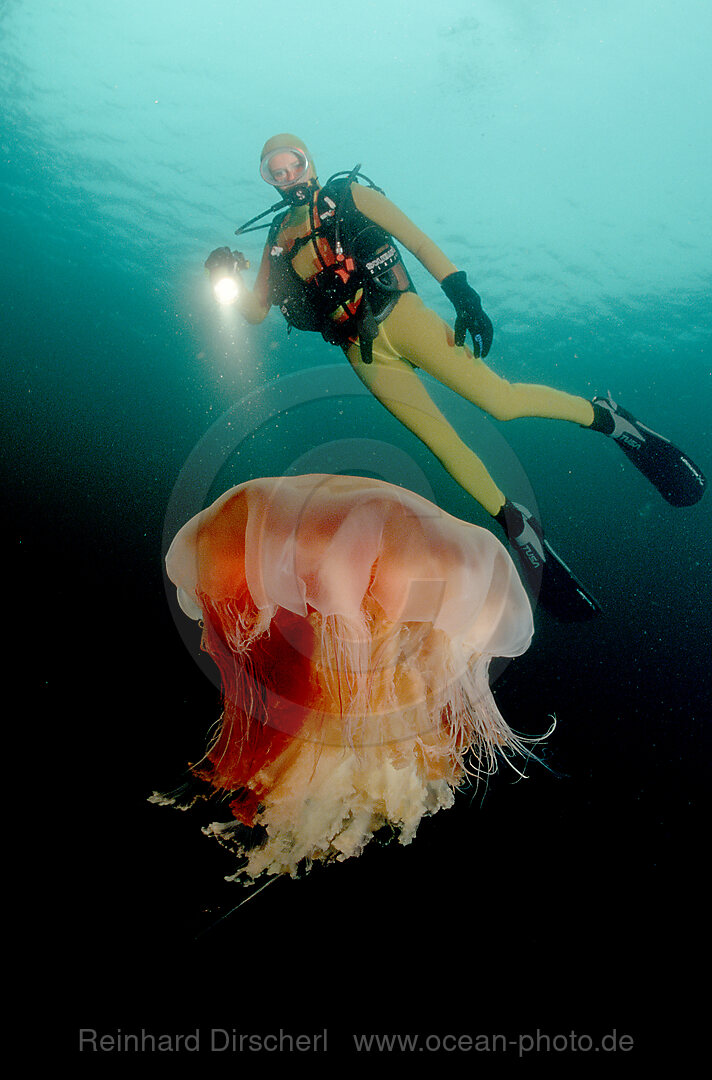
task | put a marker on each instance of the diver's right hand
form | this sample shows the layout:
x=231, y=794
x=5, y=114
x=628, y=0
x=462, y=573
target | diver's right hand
x=222, y=257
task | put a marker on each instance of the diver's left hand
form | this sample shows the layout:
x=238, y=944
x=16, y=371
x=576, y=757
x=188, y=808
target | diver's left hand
x=468, y=313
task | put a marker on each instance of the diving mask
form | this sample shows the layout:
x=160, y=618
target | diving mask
x=284, y=167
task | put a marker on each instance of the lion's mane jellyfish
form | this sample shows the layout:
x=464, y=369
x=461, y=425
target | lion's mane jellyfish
x=353, y=624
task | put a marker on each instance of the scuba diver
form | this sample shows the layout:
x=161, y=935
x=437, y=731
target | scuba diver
x=331, y=265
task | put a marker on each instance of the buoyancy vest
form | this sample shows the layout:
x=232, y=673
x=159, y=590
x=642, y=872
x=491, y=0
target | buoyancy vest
x=360, y=272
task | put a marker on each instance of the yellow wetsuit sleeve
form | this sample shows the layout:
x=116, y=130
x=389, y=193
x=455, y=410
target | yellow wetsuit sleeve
x=254, y=303
x=383, y=212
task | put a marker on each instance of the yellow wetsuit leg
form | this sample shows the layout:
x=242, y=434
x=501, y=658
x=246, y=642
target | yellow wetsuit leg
x=421, y=336
x=413, y=335
x=395, y=383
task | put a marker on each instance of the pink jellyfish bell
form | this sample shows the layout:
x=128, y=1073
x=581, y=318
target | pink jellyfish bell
x=353, y=624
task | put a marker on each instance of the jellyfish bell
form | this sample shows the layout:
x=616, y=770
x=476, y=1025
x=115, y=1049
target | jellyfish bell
x=352, y=623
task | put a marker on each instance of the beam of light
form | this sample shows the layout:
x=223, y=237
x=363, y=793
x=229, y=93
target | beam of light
x=226, y=290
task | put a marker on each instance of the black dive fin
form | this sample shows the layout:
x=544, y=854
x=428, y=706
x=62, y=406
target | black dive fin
x=548, y=577
x=673, y=473
x=561, y=593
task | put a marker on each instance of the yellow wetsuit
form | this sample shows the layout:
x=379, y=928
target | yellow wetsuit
x=411, y=337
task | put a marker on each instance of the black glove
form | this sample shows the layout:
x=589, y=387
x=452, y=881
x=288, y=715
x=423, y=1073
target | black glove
x=219, y=259
x=224, y=259
x=468, y=313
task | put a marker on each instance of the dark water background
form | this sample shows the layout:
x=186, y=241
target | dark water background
x=561, y=157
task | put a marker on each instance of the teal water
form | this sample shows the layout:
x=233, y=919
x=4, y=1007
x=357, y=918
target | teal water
x=561, y=155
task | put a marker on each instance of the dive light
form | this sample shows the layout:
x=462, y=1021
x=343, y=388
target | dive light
x=224, y=268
